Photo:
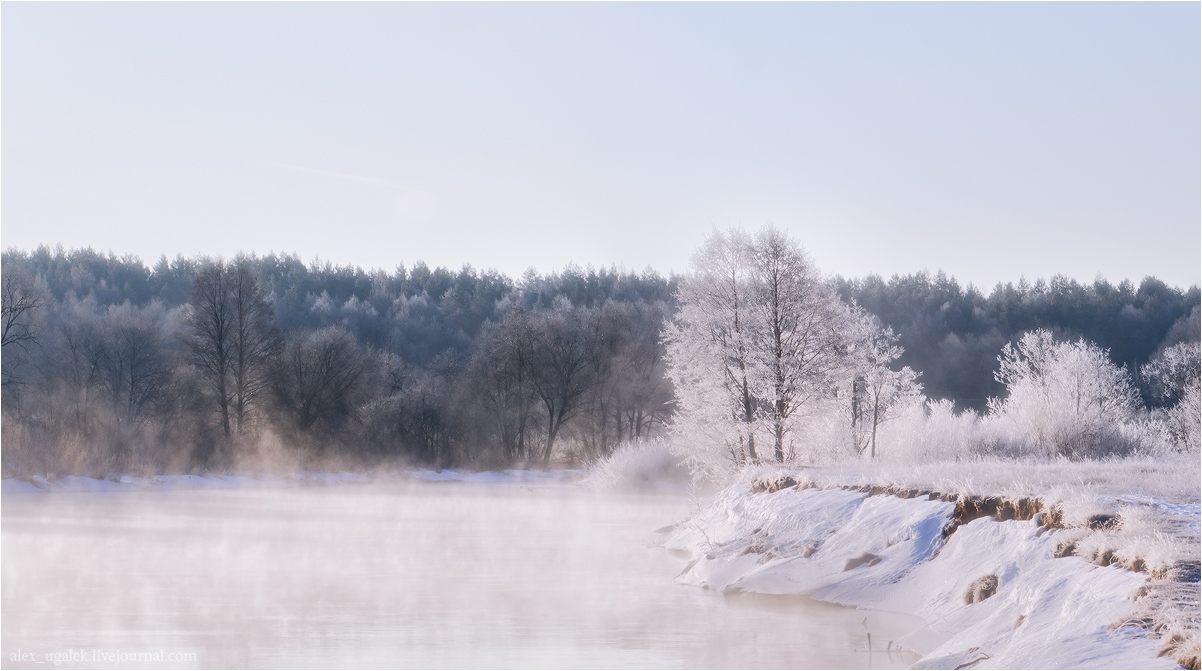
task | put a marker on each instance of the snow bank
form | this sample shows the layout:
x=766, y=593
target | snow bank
x=112, y=483
x=15, y=486
x=994, y=594
x=1169, y=477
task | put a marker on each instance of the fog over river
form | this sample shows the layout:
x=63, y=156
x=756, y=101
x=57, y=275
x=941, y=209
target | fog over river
x=393, y=574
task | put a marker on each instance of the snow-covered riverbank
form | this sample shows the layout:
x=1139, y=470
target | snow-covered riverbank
x=995, y=594
x=1050, y=589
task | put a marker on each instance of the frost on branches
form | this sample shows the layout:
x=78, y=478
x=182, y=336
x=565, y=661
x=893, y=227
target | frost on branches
x=1174, y=375
x=760, y=345
x=877, y=392
x=1067, y=397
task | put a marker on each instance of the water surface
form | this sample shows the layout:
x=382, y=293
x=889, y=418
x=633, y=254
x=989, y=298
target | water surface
x=393, y=574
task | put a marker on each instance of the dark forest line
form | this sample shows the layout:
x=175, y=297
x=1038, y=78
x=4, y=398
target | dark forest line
x=115, y=366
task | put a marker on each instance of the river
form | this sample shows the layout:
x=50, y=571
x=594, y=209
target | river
x=391, y=574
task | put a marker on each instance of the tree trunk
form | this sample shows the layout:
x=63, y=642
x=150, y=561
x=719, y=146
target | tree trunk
x=748, y=418
x=618, y=423
x=223, y=400
x=876, y=417
x=779, y=431
x=552, y=429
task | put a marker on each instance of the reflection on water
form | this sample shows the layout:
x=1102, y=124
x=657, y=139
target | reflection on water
x=393, y=575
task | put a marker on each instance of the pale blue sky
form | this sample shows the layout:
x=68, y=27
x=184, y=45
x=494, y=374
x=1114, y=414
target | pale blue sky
x=989, y=140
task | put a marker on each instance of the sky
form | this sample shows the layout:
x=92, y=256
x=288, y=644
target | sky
x=990, y=141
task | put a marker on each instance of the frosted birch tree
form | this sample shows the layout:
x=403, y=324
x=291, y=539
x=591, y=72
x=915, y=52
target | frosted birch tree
x=799, y=332
x=708, y=356
x=758, y=337
x=876, y=390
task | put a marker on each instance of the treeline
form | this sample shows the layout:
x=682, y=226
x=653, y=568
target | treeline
x=113, y=365
x=953, y=334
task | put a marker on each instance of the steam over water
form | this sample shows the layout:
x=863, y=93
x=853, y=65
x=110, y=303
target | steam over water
x=392, y=575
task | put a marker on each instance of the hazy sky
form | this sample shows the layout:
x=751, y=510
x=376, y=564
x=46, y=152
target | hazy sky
x=989, y=140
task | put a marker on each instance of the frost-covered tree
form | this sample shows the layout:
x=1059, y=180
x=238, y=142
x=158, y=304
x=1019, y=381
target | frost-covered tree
x=876, y=391
x=709, y=358
x=759, y=336
x=1174, y=370
x=1175, y=375
x=1067, y=397
x=799, y=331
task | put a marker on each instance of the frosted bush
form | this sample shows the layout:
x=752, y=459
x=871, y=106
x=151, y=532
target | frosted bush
x=1146, y=435
x=929, y=432
x=1066, y=397
x=1174, y=376
x=1185, y=419
x=637, y=464
x=823, y=435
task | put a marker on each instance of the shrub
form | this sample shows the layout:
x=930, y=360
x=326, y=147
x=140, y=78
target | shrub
x=1066, y=396
x=637, y=464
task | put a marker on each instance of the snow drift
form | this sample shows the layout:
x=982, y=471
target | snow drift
x=994, y=594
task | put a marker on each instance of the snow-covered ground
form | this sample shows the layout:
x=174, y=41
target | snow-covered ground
x=1171, y=477
x=994, y=594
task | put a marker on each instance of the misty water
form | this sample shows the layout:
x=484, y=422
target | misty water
x=395, y=574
